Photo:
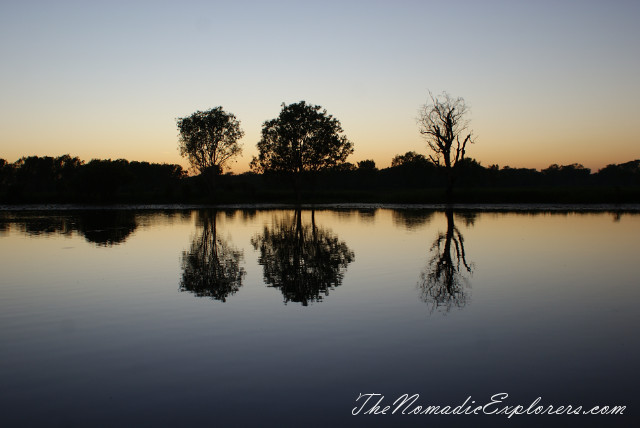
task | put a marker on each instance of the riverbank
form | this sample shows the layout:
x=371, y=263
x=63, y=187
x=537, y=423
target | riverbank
x=589, y=195
x=485, y=207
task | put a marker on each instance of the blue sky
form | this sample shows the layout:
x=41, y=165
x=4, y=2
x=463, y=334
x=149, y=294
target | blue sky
x=547, y=82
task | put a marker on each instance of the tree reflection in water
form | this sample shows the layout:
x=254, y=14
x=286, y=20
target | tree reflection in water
x=104, y=228
x=303, y=261
x=444, y=283
x=411, y=219
x=211, y=267
x=107, y=227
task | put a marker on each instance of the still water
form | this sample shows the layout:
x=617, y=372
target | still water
x=282, y=318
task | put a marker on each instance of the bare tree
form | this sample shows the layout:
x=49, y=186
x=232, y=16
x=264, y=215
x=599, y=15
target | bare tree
x=443, y=123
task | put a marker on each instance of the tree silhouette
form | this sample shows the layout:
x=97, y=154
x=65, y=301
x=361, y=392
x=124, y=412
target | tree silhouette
x=442, y=123
x=209, y=139
x=467, y=216
x=411, y=218
x=409, y=159
x=211, y=267
x=106, y=228
x=303, y=261
x=36, y=224
x=303, y=139
x=443, y=283
x=367, y=165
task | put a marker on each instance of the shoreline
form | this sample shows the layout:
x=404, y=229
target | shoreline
x=489, y=207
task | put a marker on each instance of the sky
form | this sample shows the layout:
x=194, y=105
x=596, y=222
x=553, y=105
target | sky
x=546, y=81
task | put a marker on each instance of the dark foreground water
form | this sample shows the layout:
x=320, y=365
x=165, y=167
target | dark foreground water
x=284, y=318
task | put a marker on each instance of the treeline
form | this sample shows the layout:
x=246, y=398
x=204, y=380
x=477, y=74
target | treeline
x=411, y=178
x=68, y=179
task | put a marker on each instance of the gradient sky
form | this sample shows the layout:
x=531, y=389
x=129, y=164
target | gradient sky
x=547, y=81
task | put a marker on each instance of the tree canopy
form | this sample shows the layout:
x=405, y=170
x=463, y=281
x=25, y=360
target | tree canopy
x=367, y=165
x=303, y=138
x=209, y=139
x=409, y=159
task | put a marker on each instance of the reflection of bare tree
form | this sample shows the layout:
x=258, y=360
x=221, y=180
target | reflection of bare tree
x=443, y=283
x=303, y=261
x=211, y=267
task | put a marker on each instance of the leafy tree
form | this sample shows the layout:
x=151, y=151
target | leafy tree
x=409, y=159
x=442, y=123
x=6, y=170
x=343, y=167
x=367, y=165
x=627, y=173
x=567, y=174
x=102, y=179
x=302, y=139
x=46, y=175
x=209, y=139
x=411, y=171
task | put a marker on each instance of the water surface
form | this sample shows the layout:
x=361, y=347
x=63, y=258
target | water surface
x=278, y=317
